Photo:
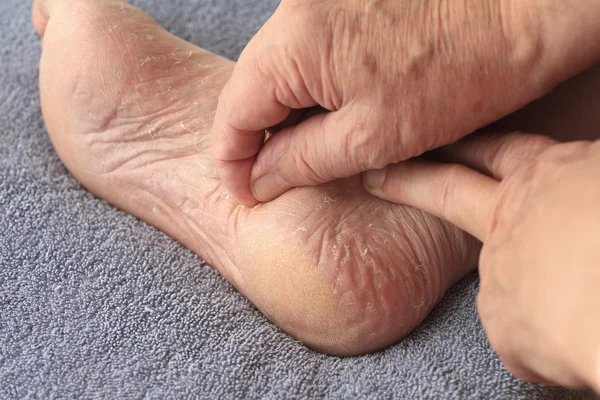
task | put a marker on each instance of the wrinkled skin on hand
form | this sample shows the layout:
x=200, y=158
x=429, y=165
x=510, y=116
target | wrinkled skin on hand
x=392, y=79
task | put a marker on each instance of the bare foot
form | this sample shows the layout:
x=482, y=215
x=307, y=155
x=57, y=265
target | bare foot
x=129, y=108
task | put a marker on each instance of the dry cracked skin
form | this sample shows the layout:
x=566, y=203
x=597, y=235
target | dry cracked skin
x=129, y=108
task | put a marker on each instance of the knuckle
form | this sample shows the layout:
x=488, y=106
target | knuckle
x=363, y=153
x=292, y=75
x=306, y=162
x=526, y=150
x=281, y=61
x=353, y=144
x=446, y=189
x=236, y=106
x=495, y=148
x=259, y=67
x=306, y=168
x=507, y=151
x=364, y=148
x=531, y=146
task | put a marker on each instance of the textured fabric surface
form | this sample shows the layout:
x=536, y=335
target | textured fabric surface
x=97, y=304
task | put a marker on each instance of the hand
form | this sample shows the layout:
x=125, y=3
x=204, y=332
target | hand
x=535, y=206
x=394, y=78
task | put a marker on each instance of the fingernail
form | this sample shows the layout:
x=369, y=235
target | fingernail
x=373, y=180
x=269, y=187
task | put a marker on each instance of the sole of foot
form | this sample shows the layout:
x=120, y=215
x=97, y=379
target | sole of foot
x=129, y=109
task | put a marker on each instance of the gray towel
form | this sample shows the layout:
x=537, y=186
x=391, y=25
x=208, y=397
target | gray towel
x=96, y=304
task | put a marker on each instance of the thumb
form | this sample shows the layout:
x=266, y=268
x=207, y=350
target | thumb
x=320, y=149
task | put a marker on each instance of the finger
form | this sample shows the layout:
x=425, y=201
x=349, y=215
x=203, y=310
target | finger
x=322, y=148
x=495, y=154
x=452, y=192
x=235, y=143
x=261, y=93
